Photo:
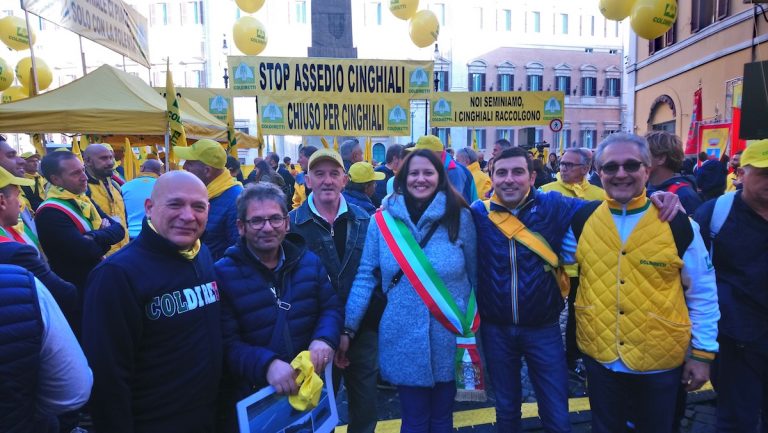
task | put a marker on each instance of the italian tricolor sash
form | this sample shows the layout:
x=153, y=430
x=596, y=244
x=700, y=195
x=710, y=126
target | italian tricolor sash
x=432, y=291
x=25, y=236
x=82, y=223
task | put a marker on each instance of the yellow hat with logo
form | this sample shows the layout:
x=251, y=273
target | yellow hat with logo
x=206, y=151
x=325, y=155
x=27, y=155
x=363, y=172
x=6, y=178
x=429, y=142
x=756, y=154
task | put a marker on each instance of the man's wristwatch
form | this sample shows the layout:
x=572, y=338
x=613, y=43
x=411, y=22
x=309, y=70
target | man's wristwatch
x=349, y=333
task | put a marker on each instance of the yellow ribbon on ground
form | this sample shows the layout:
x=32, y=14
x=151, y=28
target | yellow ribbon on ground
x=83, y=203
x=222, y=183
x=513, y=228
x=310, y=384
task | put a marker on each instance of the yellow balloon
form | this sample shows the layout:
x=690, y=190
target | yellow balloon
x=652, y=18
x=13, y=32
x=6, y=75
x=44, y=74
x=14, y=93
x=250, y=35
x=403, y=9
x=249, y=6
x=616, y=10
x=424, y=28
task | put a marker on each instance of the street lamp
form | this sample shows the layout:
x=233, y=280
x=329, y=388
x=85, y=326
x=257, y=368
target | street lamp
x=436, y=77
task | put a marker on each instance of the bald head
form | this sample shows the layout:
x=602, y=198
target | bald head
x=152, y=166
x=178, y=208
x=99, y=161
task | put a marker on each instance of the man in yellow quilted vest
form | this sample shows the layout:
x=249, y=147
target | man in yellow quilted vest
x=646, y=309
x=102, y=189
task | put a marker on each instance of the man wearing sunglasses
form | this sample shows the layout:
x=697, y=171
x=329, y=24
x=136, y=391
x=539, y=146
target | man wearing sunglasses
x=646, y=309
x=277, y=300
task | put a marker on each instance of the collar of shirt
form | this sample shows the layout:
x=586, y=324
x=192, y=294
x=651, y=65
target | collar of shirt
x=280, y=258
x=342, y=207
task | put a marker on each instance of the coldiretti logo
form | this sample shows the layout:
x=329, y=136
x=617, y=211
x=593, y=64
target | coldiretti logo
x=441, y=111
x=398, y=119
x=272, y=114
x=419, y=81
x=244, y=75
x=217, y=105
x=652, y=263
x=553, y=109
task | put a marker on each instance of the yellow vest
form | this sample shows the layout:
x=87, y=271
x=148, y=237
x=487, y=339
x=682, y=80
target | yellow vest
x=112, y=204
x=630, y=302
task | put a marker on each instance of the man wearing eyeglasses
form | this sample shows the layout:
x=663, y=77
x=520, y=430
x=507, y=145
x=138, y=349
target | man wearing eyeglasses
x=646, y=309
x=277, y=300
x=572, y=178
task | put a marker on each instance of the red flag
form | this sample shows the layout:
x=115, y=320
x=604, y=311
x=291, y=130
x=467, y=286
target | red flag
x=737, y=144
x=692, y=145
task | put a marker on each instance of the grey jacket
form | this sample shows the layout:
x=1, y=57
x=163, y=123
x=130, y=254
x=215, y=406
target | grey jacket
x=414, y=348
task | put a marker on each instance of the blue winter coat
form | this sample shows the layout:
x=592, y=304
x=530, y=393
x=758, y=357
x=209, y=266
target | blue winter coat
x=414, y=348
x=221, y=230
x=685, y=188
x=514, y=288
x=250, y=311
x=360, y=199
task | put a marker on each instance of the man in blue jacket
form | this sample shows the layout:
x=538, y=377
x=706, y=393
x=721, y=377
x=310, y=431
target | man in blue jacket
x=207, y=160
x=362, y=186
x=152, y=323
x=277, y=298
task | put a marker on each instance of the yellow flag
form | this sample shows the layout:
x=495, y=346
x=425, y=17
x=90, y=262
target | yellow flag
x=336, y=144
x=325, y=142
x=474, y=139
x=79, y=143
x=231, y=137
x=178, y=137
x=368, y=153
x=260, y=135
x=130, y=163
x=143, y=153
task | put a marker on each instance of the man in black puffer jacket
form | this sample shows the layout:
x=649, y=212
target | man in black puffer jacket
x=277, y=300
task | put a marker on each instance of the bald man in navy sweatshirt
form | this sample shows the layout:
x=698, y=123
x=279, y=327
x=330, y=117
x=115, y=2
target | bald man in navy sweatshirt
x=151, y=322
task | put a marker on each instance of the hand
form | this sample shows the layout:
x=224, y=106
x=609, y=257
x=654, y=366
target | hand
x=320, y=353
x=341, y=360
x=283, y=377
x=695, y=374
x=105, y=223
x=668, y=204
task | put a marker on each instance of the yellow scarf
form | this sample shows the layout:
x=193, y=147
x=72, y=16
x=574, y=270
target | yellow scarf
x=513, y=228
x=222, y=183
x=310, y=384
x=578, y=189
x=189, y=254
x=87, y=209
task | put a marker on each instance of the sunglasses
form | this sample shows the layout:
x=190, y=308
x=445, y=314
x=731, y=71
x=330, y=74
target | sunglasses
x=631, y=166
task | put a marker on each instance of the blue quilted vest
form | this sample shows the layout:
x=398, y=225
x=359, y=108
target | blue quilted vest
x=21, y=330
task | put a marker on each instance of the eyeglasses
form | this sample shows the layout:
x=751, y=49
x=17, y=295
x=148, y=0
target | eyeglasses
x=258, y=223
x=569, y=165
x=612, y=168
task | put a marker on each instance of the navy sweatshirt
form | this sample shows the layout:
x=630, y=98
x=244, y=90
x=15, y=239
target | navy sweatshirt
x=152, y=335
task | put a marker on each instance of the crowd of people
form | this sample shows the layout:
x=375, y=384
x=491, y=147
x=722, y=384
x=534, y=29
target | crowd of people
x=154, y=305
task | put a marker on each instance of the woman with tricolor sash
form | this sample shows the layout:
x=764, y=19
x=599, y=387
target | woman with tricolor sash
x=426, y=334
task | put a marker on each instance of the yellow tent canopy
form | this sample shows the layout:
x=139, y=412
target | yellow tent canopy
x=107, y=101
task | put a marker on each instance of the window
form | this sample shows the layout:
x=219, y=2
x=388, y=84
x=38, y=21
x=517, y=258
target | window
x=380, y=152
x=563, y=84
x=588, y=86
x=373, y=14
x=508, y=134
x=301, y=11
x=158, y=14
x=443, y=82
x=567, y=137
x=477, y=17
x=535, y=25
x=588, y=138
x=564, y=24
x=533, y=83
x=506, y=20
x=539, y=135
x=613, y=87
x=192, y=13
x=443, y=134
x=506, y=82
x=439, y=10
x=476, y=134
x=706, y=12
x=592, y=26
x=664, y=40
x=477, y=82
x=616, y=27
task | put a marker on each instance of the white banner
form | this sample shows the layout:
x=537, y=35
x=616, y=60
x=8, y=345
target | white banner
x=111, y=23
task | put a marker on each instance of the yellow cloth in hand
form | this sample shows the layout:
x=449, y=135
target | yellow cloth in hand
x=310, y=384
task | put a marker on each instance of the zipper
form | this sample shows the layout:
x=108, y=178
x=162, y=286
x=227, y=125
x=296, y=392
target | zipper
x=513, y=278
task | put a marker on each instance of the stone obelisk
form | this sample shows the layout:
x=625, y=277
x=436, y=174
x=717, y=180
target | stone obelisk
x=332, y=29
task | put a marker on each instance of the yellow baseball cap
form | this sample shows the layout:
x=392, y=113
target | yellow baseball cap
x=428, y=142
x=363, y=172
x=6, y=178
x=206, y=151
x=27, y=155
x=325, y=155
x=756, y=154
